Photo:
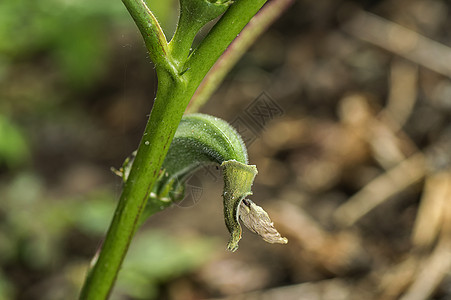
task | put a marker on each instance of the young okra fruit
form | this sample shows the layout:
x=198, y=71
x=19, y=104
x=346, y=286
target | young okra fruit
x=202, y=140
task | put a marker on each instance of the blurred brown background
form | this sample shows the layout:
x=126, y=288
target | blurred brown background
x=353, y=158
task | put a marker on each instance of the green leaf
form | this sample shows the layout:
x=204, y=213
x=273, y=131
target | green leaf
x=14, y=149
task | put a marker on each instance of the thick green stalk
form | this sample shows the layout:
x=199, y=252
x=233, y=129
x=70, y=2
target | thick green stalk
x=157, y=137
x=173, y=95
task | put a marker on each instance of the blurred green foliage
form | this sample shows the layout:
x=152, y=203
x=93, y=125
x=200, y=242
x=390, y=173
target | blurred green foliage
x=155, y=257
x=36, y=234
x=72, y=33
x=13, y=144
x=75, y=34
x=53, y=50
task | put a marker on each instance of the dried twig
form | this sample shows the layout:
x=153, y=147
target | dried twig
x=402, y=41
x=381, y=188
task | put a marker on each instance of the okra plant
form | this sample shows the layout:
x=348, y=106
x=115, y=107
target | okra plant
x=174, y=146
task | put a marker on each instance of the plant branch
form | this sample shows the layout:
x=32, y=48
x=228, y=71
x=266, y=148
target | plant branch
x=152, y=34
x=194, y=14
x=253, y=30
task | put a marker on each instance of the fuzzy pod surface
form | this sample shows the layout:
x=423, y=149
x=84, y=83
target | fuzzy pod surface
x=202, y=140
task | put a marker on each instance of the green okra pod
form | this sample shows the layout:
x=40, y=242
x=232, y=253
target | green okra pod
x=201, y=140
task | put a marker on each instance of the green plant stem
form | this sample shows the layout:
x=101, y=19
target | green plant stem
x=253, y=30
x=151, y=152
x=173, y=94
x=194, y=14
x=152, y=34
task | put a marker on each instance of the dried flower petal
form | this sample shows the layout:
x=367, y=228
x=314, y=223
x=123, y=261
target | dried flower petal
x=258, y=221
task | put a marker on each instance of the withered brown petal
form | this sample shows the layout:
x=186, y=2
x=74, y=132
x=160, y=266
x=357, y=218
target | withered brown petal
x=258, y=221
